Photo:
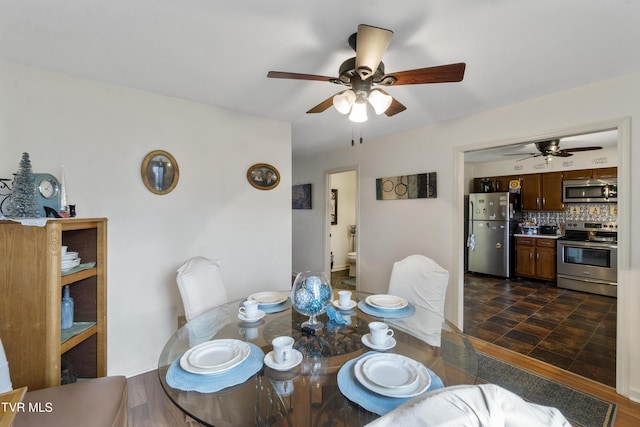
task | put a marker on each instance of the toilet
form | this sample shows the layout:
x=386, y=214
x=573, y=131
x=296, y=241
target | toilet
x=351, y=258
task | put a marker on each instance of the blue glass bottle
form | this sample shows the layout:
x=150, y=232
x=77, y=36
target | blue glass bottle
x=66, y=313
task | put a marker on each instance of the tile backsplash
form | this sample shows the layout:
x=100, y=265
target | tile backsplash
x=575, y=212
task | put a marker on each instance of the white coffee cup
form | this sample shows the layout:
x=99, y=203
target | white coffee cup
x=63, y=250
x=380, y=332
x=282, y=349
x=249, y=309
x=249, y=333
x=344, y=298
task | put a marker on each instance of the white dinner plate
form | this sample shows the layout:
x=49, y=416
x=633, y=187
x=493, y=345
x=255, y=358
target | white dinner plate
x=69, y=256
x=68, y=265
x=390, y=371
x=418, y=387
x=269, y=298
x=213, y=357
x=386, y=302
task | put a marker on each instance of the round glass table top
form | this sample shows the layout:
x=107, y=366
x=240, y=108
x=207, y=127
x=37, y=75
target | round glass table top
x=307, y=391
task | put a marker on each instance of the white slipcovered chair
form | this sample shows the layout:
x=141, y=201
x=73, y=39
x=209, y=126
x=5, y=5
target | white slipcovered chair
x=201, y=287
x=485, y=405
x=421, y=281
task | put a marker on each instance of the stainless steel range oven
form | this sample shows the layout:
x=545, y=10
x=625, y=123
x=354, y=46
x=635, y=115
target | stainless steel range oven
x=588, y=257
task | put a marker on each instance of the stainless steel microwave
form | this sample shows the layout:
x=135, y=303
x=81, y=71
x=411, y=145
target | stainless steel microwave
x=603, y=190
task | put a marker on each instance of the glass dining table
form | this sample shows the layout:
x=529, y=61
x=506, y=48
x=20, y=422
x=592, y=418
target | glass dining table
x=316, y=391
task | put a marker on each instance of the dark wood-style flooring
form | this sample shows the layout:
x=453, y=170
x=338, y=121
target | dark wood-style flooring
x=575, y=331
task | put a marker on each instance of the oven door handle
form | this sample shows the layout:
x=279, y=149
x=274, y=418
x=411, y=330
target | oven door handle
x=591, y=244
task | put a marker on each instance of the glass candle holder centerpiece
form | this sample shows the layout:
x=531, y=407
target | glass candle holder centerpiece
x=311, y=295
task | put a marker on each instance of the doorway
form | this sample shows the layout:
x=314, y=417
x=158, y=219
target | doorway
x=343, y=229
x=622, y=145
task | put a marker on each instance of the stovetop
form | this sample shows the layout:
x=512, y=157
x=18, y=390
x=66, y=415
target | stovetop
x=591, y=231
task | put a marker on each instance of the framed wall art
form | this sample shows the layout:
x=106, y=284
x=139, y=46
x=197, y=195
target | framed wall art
x=301, y=196
x=333, y=206
x=160, y=172
x=263, y=176
x=419, y=186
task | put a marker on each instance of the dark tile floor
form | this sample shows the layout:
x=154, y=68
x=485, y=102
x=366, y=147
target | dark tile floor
x=572, y=330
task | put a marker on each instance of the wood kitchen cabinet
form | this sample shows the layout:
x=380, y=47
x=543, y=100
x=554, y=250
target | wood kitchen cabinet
x=578, y=174
x=542, y=191
x=591, y=173
x=31, y=283
x=605, y=173
x=536, y=257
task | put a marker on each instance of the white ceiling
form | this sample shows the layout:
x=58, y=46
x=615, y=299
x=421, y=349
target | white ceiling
x=218, y=52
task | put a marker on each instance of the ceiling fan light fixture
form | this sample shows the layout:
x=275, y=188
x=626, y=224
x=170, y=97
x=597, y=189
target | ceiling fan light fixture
x=380, y=101
x=343, y=101
x=359, y=109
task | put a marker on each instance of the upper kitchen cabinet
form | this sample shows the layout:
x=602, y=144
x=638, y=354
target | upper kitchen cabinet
x=542, y=191
x=591, y=173
x=605, y=173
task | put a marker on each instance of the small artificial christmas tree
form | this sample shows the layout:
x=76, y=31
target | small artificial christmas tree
x=23, y=199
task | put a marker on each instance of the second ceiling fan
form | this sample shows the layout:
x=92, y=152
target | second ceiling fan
x=552, y=148
x=364, y=76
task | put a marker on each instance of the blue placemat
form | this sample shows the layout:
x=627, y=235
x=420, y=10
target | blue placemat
x=373, y=402
x=209, y=383
x=408, y=311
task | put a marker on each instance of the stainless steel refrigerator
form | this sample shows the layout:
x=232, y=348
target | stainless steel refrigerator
x=493, y=219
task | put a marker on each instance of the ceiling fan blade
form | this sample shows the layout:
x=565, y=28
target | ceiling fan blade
x=562, y=153
x=371, y=44
x=324, y=105
x=297, y=76
x=440, y=74
x=523, y=154
x=578, y=149
x=395, y=107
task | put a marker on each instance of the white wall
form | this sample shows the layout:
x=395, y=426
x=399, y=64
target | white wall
x=101, y=133
x=345, y=183
x=390, y=230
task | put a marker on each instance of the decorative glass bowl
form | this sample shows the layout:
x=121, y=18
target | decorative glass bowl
x=311, y=295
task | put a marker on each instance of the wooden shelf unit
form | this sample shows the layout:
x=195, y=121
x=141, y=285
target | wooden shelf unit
x=31, y=285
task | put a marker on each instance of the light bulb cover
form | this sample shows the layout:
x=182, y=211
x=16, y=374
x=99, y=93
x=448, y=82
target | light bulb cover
x=343, y=101
x=380, y=101
x=359, y=110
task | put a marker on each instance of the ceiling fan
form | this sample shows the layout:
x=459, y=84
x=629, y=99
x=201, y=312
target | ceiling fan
x=551, y=148
x=364, y=75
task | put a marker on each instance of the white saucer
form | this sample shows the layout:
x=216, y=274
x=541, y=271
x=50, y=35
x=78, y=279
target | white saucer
x=270, y=361
x=351, y=305
x=259, y=315
x=366, y=340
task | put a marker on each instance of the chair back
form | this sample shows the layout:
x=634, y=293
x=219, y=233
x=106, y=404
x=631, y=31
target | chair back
x=201, y=287
x=421, y=281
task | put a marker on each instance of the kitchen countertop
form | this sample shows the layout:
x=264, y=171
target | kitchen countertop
x=540, y=236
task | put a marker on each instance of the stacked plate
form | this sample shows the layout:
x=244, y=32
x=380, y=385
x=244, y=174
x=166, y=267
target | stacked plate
x=386, y=302
x=271, y=302
x=385, y=305
x=214, y=357
x=392, y=375
x=70, y=260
